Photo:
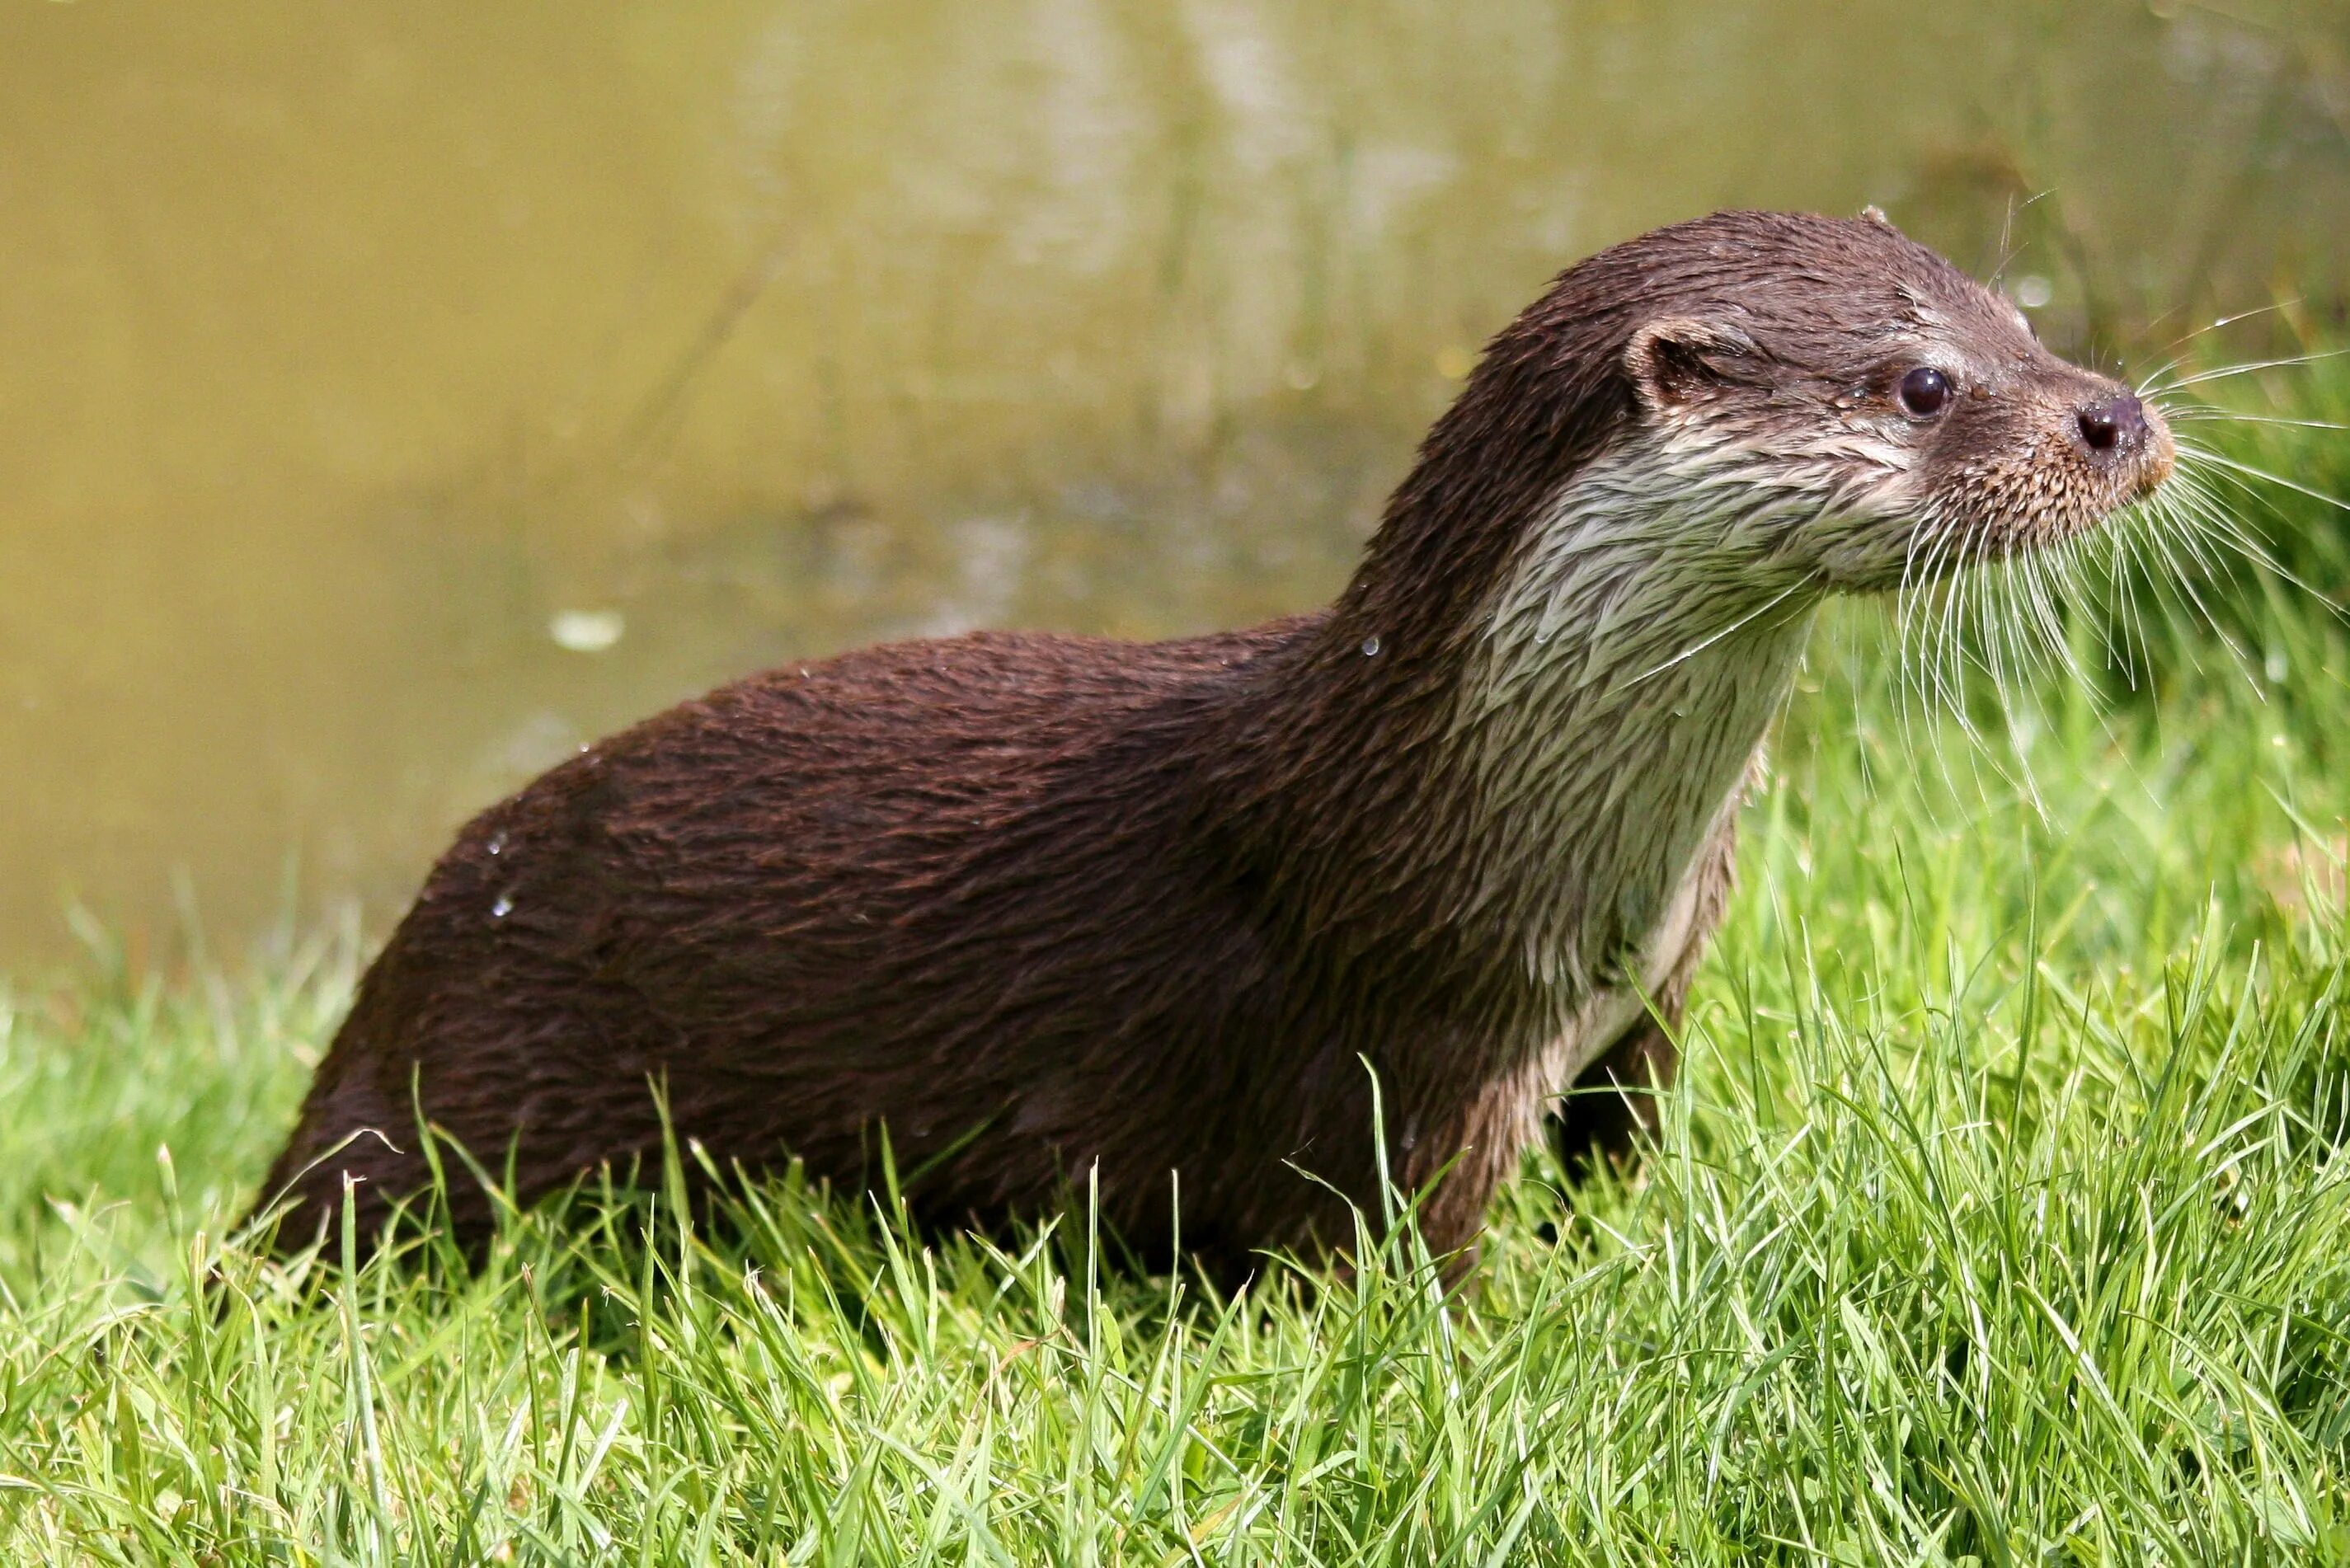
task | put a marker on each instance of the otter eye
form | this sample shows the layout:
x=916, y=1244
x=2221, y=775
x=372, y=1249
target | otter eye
x=1924, y=390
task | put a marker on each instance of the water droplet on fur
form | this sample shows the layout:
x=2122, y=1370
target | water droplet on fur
x=497, y=844
x=1371, y=648
x=502, y=907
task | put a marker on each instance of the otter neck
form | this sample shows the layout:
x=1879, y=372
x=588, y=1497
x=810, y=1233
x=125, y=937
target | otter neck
x=1529, y=780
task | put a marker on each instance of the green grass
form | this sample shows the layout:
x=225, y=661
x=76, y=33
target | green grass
x=2001, y=1216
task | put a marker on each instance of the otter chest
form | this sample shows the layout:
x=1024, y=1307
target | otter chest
x=1609, y=1010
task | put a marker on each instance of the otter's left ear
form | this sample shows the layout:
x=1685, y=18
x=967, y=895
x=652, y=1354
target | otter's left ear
x=1676, y=360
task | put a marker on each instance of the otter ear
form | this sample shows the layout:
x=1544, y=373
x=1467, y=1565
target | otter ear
x=1675, y=360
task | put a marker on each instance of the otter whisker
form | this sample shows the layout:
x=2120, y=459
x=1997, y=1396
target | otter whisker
x=2055, y=584
x=2120, y=618
x=1923, y=603
x=1914, y=685
x=2187, y=531
x=1918, y=585
x=1988, y=625
x=2201, y=506
x=2017, y=592
x=2115, y=619
x=1905, y=597
x=2210, y=515
x=1958, y=608
x=2154, y=380
x=2198, y=499
x=1990, y=631
x=2148, y=385
x=2251, y=470
x=1999, y=605
x=2189, y=336
x=1939, y=683
x=2209, y=412
x=2225, y=371
x=1926, y=681
x=2038, y=633
x=2178, y=551
x=2162, y=528
x=2044, y=577
x=1958, y=656
x=2134, y=557
x=1696, y=647
x=2192, y=530
x=1971, y=624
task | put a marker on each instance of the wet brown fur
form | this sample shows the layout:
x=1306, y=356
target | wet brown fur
x=1048, y=908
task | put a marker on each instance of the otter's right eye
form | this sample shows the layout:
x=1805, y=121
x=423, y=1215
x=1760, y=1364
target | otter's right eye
x=1924, y=390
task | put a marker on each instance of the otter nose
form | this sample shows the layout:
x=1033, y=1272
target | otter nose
x=2118, y=422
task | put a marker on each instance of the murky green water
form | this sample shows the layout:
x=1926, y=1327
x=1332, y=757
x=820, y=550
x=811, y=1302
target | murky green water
x=391, y=397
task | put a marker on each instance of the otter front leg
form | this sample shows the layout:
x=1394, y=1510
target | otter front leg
x=1610, y=1110
x=1613, y=1104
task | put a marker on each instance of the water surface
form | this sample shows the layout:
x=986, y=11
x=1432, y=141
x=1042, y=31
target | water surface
x=393, y=397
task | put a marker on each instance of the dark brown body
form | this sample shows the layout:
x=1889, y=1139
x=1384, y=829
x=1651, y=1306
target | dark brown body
x=1052, y=911
x=1016, y=898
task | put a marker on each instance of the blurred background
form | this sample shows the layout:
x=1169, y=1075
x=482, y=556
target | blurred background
x=393, y=398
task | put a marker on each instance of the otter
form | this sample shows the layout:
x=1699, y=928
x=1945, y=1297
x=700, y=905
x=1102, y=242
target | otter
x=1229, y=930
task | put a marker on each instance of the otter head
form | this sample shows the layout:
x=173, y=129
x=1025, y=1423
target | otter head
x=1906, y=412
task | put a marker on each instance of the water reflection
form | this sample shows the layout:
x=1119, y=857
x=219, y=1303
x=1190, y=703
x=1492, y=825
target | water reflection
x=395, y=397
